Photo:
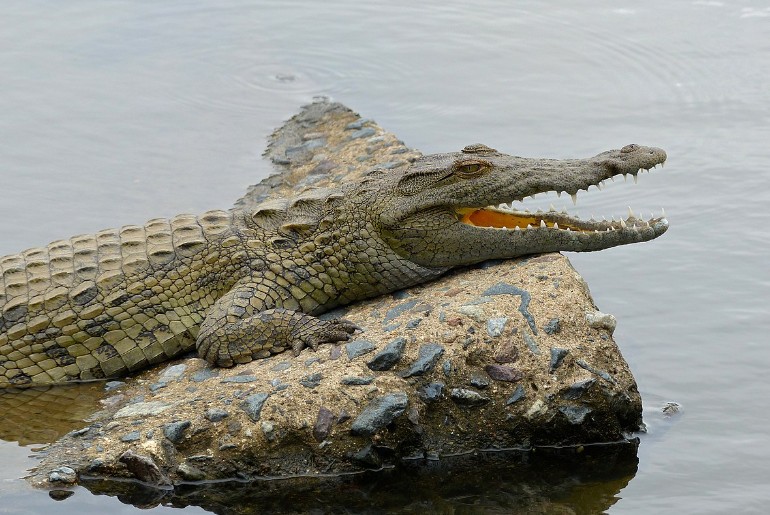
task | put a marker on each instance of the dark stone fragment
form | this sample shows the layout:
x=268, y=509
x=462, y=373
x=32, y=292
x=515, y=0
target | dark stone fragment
x=396, y=311
x=400, y=294
x=509, y=289
x=357, y=124
x=323, y=424
x=413, y=324
x=391, y=327
x=379, y=413
x=359, y=348
x=427, y=357
x=447, y=367
x=557, y=356
x=389, y=356
x=133, y=436
x=466, y=397
x=506, y=353
x=312, y=360
x=503, y=373
x=63, y=475
x=215, y=414
x=202, y=375
x=601, y=373
x=368, y=457
x=531, y=343
x=552, y=327
x=112, y=385
x=479, y=381
x=516, y=396
x=252, y=405
x=240, y=379
x=343, y=417
x=335, y=352
x=312, y=380
x=157, y=386
x=363, y=133
x=280, y=367
x=576, y=390
x=356, y=380
x=175, y=430
x=60, y=495
x=143, y=468
x=575, y=414
x=431, y=392
x=190, y=473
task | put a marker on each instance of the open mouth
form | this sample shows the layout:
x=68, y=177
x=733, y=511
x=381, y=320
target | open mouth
x=505, y=217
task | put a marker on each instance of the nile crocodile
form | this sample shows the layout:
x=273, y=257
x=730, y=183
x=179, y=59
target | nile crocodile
x=248, y=283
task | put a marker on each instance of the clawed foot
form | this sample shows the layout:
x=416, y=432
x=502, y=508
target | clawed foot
x=326, y=331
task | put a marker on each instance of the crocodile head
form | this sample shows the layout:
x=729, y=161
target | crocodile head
x=453, y=209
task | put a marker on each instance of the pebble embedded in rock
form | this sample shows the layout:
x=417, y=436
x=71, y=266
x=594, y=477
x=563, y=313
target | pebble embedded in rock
x=557, y=356
x=359, y=348
x=133, y=436
x=362, y=133
x=552, y=327
x=599, y=320
x=496, y=326
x=190, y=473
x=601, y=373
x=427, y=356
x=323, y=424
x=396, y=311
x=379, y=413
x=465, y=397
x=431, y=392
x=215, y=414
x=479, y=381
x=143, y=409
x=389, y=356
x=143, y=468
x=172, y=373
x=246, y=378
x=576, y=390
x=252, y=405
x=312, y=380
x=280, y=367
x=503, y=373
x=356, y=380
x=202, y=375
x=175, y=430
x=575, y=414
x=63, y=475
x=516, y=396
x=367, y=457
x=506, y=352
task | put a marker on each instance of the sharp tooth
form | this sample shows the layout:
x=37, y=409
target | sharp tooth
x=542, y=224
x=630, y=213
x=622, y=223
x=564, y=210
x=574, y=198
x=539, y=211
x=663, y=213
x=569, y=230
x=647, y=223
x=556, y=225
x=636, y=179
x=558, y=194
x=529, y=226
x=612, y=178
x=599, y=186
x=517, y=228
x=551, y=208
x=625, y=177
x=505, y=228
x=526, y=210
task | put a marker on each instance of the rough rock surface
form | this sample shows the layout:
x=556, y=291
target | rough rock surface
x=504, y=355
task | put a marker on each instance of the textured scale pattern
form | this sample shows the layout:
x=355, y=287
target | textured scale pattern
x=248, y=283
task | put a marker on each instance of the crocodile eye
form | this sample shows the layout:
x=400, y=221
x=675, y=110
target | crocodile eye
x=471, y=168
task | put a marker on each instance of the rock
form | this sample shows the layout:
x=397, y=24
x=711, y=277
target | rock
x=496, y=326
x=252, y=405
x=63, y=475
x=427, y=357
x=359, y=348
x=431, y=392
x=379, y=413
x=357, y=380
x=215, y=414
x=516, y=396
x=503, y=373
x=576, y=390
x=246, y=378
x=479, y=381
x=557, y=356
x=133, y=436
x=389, y=356
x=312, y=380
x=575, y=414
x=323, y=424
x=143, y=409
x=190, y=473
x=599, y=320
x=465, y=397
x=552, y=327
x=143, y=468
x=175, y=431
x=172, y=373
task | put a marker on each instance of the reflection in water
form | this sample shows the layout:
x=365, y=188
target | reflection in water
x=561, y=481
x=42, y=415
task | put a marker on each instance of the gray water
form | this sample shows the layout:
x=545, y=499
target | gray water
x=116, y=112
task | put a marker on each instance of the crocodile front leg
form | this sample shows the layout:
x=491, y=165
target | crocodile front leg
x=238, y=330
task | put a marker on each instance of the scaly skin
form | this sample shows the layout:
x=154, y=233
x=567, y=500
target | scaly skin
x=243, y=285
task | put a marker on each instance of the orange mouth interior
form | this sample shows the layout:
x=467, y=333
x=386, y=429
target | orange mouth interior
x=483, y=217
